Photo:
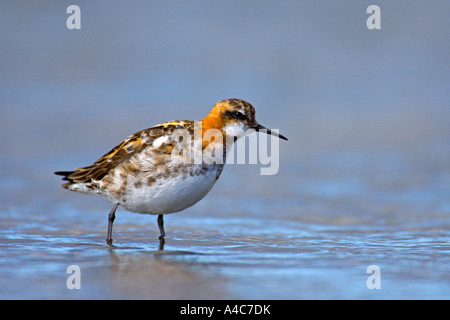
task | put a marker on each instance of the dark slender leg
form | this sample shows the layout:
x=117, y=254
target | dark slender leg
x=161, y=229
x=111, y=217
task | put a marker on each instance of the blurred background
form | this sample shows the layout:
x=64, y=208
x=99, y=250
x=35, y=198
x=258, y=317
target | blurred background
x=367, y=114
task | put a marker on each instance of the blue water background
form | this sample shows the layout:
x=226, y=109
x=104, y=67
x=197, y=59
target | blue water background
x=363, y=180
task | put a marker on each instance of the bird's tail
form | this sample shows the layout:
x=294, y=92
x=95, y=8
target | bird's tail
x=65, y=175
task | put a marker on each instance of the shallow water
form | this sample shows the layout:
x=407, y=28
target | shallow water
x=314, y=238
x=363, y=180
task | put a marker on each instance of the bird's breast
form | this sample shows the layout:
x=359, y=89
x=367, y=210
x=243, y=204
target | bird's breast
x=172, y=192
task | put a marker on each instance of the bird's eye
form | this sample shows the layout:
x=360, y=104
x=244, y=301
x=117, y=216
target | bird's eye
x=237, y=115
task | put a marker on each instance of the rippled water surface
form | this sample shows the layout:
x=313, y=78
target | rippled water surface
x=364, y=179
x=305, y=237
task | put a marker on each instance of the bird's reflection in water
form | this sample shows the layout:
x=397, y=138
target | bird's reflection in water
x=163, y=274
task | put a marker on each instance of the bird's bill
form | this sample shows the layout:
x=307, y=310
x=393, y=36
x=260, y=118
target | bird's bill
x=261, y=128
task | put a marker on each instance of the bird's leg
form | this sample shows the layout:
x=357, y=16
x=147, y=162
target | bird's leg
x=111, y=217
x=161, y=230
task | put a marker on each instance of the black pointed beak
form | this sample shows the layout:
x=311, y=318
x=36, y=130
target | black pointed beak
x=259, y=127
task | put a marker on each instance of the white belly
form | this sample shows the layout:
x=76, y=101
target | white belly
x=169, y=195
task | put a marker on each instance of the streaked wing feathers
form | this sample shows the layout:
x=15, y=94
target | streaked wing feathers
x=123, y=152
